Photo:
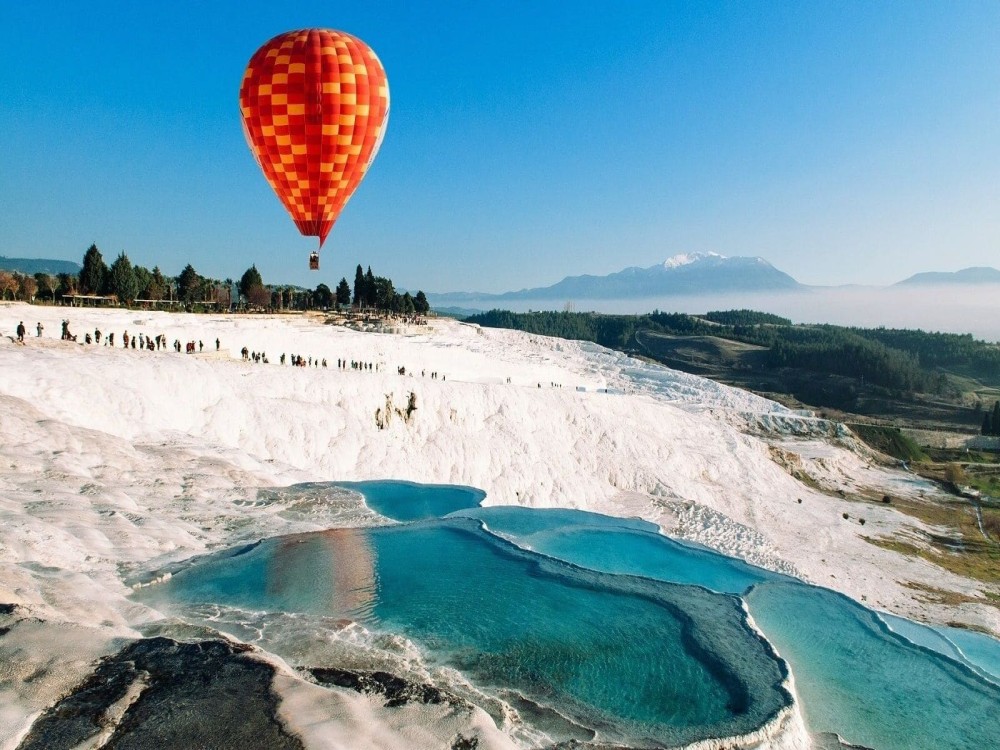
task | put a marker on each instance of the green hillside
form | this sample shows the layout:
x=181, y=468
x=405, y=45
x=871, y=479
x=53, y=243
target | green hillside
x=920, y=378
x=31, y=266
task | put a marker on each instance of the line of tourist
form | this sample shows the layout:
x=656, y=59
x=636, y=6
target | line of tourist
x=134, y=341
x=159, y=342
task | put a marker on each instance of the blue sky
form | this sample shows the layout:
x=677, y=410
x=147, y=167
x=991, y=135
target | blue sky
x=845, y=142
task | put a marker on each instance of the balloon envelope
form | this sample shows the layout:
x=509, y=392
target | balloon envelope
x=315, y=103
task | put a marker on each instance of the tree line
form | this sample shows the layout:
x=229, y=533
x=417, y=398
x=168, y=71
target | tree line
x=901, y=361
x=378, y=292
x=130, y=284
x=745, y=318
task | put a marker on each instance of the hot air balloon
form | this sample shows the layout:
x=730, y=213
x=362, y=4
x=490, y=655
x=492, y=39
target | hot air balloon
x=315, y=103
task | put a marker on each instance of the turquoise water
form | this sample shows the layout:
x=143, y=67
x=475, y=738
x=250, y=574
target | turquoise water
x=868, y=685
x=615, y=545
x=978, y=648
x=854, y=676
x=616, y=626
x=409, y=501
x=620, y=656
x=977, y=651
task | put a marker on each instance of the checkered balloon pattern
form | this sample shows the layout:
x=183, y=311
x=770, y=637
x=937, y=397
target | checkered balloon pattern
x=315, y=103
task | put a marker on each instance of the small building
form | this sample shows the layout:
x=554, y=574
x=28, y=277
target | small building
x=91, y=300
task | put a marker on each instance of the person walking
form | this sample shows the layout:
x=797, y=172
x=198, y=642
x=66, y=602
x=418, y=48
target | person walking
x=39, y=328
x=20, y=331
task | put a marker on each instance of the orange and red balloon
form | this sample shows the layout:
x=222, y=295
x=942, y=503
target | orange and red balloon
x=315, y=103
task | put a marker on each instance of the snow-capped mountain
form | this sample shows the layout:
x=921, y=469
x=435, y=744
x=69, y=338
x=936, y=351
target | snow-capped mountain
x=684, y=259
x=688, y=273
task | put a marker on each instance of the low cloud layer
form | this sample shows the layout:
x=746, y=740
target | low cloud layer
x=952, y=308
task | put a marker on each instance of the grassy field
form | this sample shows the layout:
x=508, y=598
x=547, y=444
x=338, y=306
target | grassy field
x=964, y=534
x=956, y=542
x=889, y=440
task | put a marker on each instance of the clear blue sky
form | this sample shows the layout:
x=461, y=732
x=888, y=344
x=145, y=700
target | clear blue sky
x=846, y=142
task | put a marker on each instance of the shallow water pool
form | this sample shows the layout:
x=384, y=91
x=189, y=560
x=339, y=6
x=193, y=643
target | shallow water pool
x=631, y=636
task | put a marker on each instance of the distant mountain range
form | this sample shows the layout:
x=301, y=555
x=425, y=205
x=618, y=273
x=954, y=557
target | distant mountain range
x=694, y=273
x=689, y=274
x=31, y=266
x=974, y=275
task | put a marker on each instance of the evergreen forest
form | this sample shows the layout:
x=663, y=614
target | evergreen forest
x=132, y=285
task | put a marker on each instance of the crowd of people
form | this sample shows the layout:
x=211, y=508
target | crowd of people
x=158, y=342
x=139, y=340
x=355, y=365
x=410, y=320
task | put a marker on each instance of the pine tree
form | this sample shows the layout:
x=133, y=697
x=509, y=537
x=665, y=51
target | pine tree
x=371, y=293
x=343, y=293
x=420, y=303
x=121, y=280
x=359, y=287
x=996, y=418
x=322, y=297
x=987, y=424
x=383, y=293
x=143, y=279
x=188, y=284
x=157, y=287
x=251, y=278
x=93, y=272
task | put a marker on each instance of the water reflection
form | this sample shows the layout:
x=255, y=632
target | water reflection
x=335, y=570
